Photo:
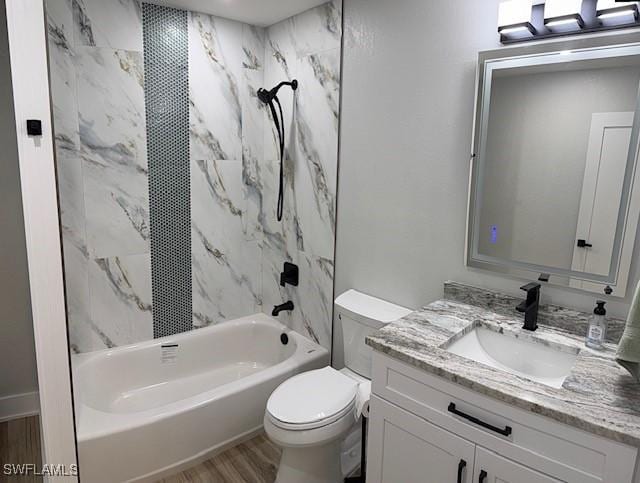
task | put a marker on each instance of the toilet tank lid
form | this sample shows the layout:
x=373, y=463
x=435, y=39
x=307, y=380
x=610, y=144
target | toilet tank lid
x=367, y=307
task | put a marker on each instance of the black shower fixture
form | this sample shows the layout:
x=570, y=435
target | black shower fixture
x=290, y=275
x=267, y=96
x=287, y=306
x=270, y=97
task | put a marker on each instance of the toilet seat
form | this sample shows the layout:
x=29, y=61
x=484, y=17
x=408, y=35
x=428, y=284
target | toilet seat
x=314, y=424
x=312, y=400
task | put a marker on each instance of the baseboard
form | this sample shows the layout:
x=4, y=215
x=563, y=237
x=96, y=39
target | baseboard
x=19, y=406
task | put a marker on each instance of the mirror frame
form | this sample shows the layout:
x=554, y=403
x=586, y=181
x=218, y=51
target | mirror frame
x=625, y=237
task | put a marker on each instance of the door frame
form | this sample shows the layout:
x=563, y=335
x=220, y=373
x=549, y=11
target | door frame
x=26, y=28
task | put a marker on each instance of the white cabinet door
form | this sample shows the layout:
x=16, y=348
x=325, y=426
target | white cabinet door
x=492, y=468
x=405, y=448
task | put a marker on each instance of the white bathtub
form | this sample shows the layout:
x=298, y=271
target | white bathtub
x=150, y=409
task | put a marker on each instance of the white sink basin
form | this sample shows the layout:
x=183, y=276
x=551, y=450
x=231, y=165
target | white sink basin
x=533, y=360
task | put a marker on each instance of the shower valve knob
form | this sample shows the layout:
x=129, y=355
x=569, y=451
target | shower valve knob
x=290, y=275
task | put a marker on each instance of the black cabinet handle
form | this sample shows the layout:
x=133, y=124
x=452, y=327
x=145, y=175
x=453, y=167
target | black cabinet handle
x=483, y=476
x=583, y=244
x=461, y=466
x=504, y=432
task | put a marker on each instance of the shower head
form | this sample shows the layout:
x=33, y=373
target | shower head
x=267, y=96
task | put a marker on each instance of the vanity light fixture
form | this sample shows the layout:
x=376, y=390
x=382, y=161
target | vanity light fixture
x=514, y=19
x=563, y=15
x=611, y=13
x=524, y=20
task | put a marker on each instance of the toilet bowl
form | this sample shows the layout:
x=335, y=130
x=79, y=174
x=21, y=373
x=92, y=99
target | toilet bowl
x=310, y=414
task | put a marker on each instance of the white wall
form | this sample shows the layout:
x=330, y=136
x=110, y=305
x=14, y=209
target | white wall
x=17, y=352
x=407, y=116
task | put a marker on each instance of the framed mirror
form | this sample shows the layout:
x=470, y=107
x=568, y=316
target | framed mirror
x=555, y=189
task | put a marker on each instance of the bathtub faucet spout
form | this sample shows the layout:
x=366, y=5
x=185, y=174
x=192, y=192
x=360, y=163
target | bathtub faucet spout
x=279, y=308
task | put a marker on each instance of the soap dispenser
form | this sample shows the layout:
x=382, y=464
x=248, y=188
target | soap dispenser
x=597, y=327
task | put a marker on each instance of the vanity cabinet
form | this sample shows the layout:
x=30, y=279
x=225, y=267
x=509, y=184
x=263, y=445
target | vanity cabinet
x=424, y=428
x=409, y=449
x=492, y=468
x=404, y=447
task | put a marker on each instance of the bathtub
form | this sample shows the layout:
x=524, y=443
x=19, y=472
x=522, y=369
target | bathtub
x=147, y=410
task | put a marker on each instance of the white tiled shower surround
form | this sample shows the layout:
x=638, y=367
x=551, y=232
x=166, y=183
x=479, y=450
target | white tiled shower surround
x=238, y=247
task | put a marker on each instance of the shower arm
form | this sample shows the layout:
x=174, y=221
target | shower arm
x=293, y=84
x=267, y=96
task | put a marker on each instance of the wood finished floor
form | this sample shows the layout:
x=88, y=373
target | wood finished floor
x=255, y=461
x=20, y=444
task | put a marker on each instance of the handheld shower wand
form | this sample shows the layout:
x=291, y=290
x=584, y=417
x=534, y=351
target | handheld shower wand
x=270, y=97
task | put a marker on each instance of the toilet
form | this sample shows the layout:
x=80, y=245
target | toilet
x=310, y=414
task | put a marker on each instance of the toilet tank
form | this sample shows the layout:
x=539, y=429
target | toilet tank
x=362, y=315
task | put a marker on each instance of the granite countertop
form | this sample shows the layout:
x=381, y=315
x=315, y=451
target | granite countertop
x=598, y=396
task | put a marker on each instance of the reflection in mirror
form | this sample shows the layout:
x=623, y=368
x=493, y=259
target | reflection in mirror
x=557, y=151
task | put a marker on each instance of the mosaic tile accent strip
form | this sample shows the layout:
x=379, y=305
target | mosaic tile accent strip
x=166, y=54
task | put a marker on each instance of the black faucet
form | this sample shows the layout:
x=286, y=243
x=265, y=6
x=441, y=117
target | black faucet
x=279, y=308
x=530, y=306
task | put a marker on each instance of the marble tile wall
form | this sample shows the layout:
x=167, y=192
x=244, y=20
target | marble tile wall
x=306, y=47
x=238, y=247
x=226, y=250
x=97, y=85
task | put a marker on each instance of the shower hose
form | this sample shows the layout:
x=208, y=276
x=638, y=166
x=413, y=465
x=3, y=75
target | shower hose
x=279, y=123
